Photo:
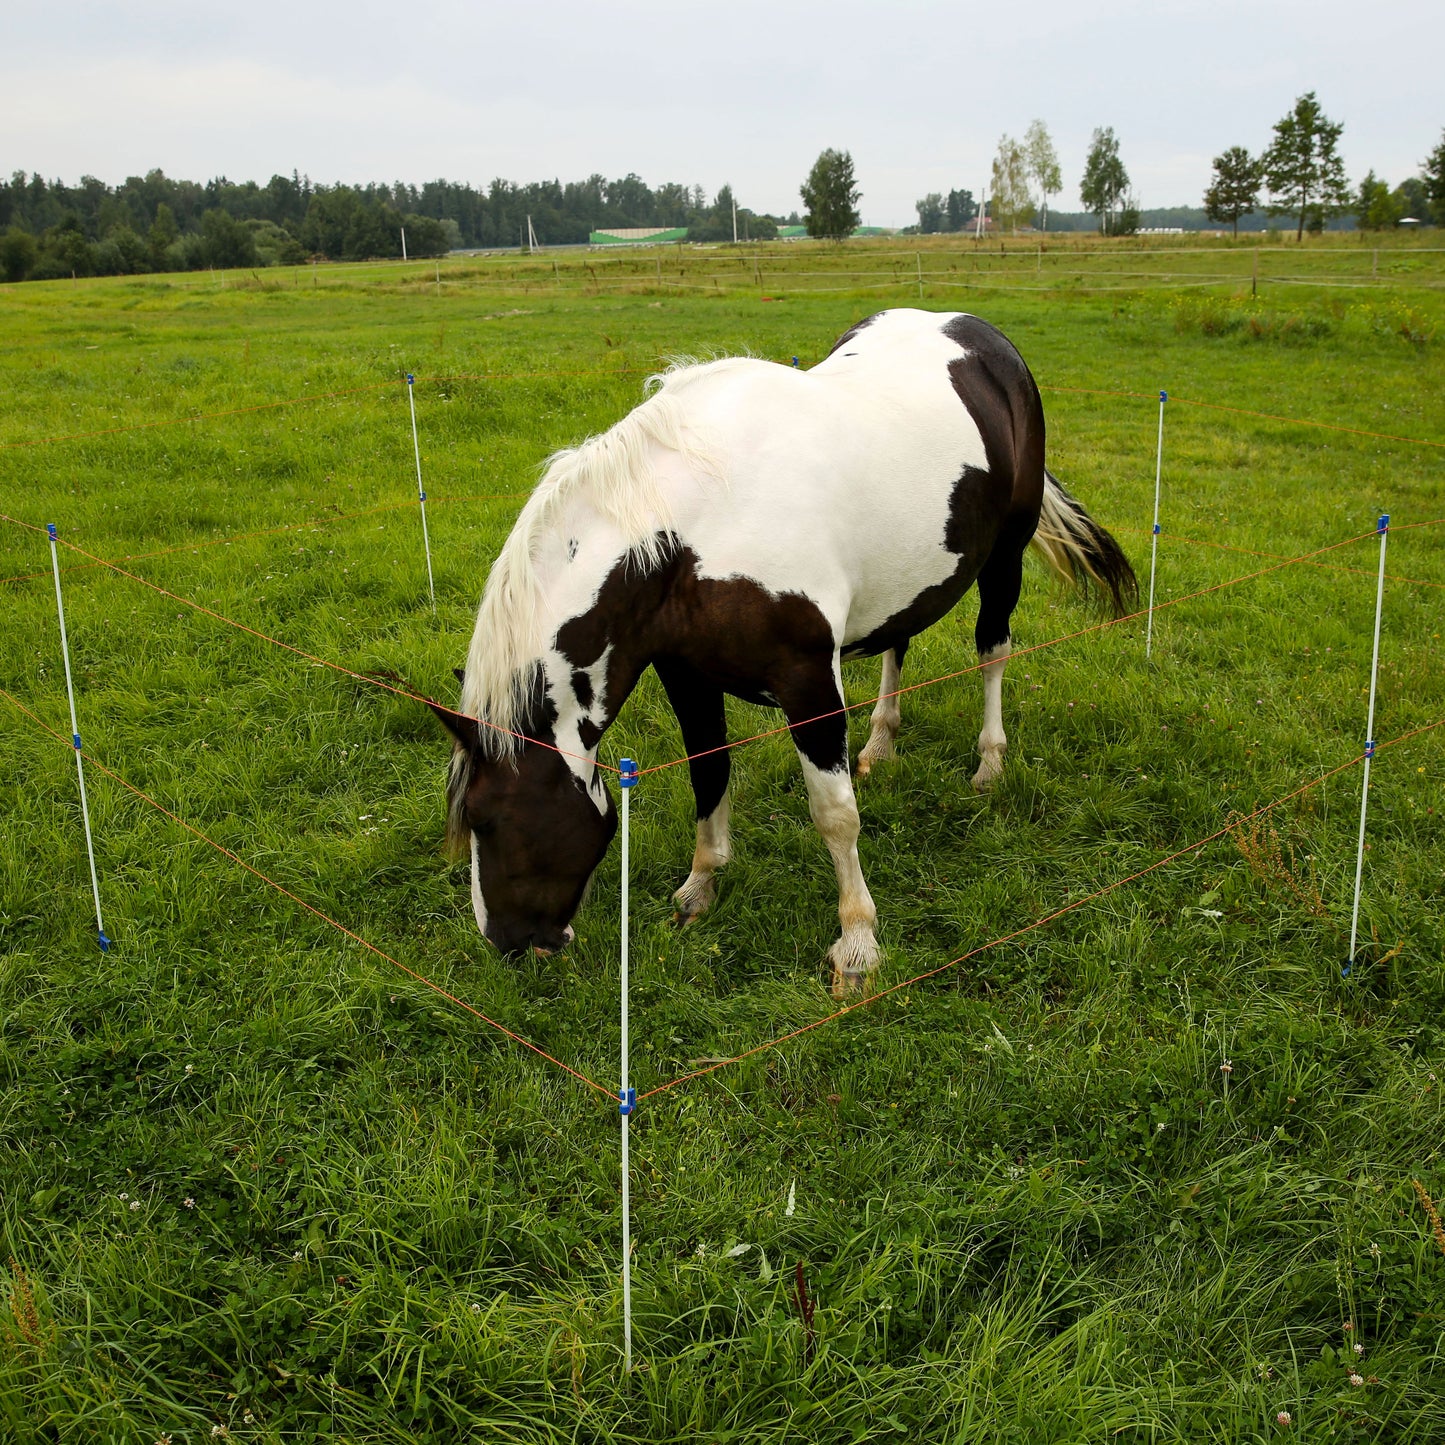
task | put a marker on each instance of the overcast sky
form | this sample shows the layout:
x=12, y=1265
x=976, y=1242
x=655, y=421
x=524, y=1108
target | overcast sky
x=745, y=92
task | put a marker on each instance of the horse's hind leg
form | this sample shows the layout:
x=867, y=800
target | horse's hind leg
x=886, y=714
x=699, y=708
x=813, y=705
x=998, y=593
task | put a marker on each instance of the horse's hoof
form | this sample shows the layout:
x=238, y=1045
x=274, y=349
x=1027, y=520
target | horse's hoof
x=990, y=770
x=853, y=960
x=873, y=753
x=693, y=899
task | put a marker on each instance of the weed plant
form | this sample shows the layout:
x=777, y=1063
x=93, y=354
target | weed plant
x=1156, y=1171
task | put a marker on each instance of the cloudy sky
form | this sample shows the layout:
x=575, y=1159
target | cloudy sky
x=745, y=92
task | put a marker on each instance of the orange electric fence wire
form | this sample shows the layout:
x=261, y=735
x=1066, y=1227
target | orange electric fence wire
x=199, y=416
x=1245, y=411
x=1323, y=566
x=740, y=742
x=1028, y=927
x=636, y=371
x=309, y=656
x=1020, y=652
x=310, y=908
x=1383, y=436
x=303, y=400
x=313, y=522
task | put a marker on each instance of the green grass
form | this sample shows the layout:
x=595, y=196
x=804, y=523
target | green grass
x=1028, y=1203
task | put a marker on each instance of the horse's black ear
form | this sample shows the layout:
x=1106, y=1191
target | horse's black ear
x=460, y=673
x=463, y=728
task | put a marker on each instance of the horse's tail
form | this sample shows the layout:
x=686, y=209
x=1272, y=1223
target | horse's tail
x=1081, y=551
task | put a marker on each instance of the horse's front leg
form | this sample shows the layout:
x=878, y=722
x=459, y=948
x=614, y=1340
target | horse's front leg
x=822, y=743
x=698, y=704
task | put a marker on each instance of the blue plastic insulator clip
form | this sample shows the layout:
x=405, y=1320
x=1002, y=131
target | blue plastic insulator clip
x=75, y=738
x=1370, y=747
x=410, y=379
x=1344, y=970
x=1383, y=525
x=1156, y=529
x=1163, y=397
x=627, y=773
x=50, y=527
x=421, y=496
x=626, y=1100
x=104, y=943
x=795, y=361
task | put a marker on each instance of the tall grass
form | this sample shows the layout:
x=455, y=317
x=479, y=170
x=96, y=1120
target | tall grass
x=253, y=1179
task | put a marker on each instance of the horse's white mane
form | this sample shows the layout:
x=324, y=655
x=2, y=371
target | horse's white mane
x=612, y=472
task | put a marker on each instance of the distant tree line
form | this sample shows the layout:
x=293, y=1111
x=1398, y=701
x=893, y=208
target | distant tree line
x=154, y=223
x=1304, y=175
x=1300, y=171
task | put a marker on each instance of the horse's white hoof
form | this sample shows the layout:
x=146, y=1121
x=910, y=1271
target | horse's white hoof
x=853, y=960
x=878, y=749
x=694, y=898
x=990, y=770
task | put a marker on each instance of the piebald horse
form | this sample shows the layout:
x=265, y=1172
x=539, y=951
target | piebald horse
x=742, y=531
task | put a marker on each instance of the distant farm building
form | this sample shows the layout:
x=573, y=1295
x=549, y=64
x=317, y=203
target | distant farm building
x=637, y=235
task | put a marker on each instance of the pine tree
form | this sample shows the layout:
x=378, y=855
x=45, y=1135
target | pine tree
x=1234, y=188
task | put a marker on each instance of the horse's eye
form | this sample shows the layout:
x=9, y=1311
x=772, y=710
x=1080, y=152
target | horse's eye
x=485, y=828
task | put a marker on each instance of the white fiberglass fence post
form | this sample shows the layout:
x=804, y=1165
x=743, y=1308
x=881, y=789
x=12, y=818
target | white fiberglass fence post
x=1383, y=528
x=1154, y=540
x=75, y=740
x=627, y=1096
x=420, y=490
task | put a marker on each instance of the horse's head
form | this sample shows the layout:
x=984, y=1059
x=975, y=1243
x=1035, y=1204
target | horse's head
x=534, y=833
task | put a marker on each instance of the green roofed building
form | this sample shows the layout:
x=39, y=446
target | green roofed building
x=637, y=235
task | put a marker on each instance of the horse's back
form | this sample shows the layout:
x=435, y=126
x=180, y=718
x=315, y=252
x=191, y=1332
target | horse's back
x=843, y=482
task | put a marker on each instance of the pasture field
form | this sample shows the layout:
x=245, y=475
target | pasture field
x=1154, y=1171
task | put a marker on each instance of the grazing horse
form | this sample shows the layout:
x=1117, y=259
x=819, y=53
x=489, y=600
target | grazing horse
x=744, y=530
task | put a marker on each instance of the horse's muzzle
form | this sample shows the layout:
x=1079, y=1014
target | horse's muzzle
x=544, y=942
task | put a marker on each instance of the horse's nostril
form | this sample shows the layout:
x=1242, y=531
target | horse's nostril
x=568, y=934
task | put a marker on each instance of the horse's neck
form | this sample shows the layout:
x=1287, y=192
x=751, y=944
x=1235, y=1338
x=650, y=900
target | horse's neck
x=595, y=649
